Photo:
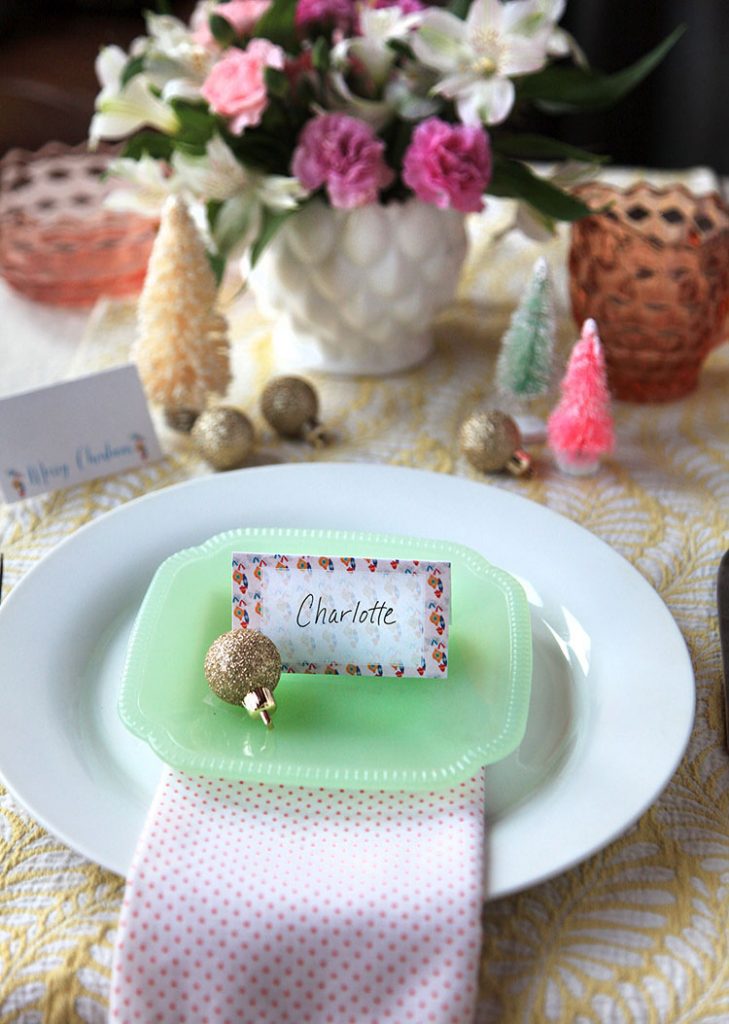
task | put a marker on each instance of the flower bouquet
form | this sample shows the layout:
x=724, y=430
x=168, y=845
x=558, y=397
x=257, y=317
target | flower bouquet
x=268, y=116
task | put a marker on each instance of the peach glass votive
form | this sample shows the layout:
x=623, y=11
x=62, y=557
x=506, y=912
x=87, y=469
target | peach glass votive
x=652, y=268
x=57, y=242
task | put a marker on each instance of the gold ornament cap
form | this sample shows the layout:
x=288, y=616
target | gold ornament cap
x=260, y=702
x=182, y=419
x=224, y=436
x=290, y=405
x=491, y=441
x=243, y=667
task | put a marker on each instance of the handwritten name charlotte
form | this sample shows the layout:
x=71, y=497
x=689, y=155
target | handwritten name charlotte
x=378, y=614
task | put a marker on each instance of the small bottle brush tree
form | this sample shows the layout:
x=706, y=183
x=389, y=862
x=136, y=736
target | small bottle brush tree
x=524, y=366
x=182, y=348
x=580, y=429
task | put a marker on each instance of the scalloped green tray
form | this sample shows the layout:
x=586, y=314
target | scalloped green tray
x=335, y=731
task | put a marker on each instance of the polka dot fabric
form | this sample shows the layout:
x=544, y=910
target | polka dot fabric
x=277, y=905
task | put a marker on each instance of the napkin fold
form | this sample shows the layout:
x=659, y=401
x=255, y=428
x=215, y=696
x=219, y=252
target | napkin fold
x=279, y=905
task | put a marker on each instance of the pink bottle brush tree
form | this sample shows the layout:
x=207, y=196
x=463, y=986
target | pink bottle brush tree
x=580, y=429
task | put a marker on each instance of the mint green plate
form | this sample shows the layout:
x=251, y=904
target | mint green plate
x=335, y=731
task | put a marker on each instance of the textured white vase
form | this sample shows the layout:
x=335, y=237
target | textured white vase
x=355, y=291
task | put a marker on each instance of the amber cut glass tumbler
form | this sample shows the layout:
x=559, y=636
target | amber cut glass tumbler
x=651, y=266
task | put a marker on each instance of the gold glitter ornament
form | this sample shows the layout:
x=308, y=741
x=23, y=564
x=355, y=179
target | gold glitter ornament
x=491, y=441
x=291, y=406
x=243, y=667
x=224, y=436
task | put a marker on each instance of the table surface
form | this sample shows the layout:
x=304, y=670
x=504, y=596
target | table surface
x=635, y=933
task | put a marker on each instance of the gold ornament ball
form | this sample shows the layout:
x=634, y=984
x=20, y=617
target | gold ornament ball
x=491, y=441
x=290, y=405
x=224, y=436
x=239, y=662
x=181, y=419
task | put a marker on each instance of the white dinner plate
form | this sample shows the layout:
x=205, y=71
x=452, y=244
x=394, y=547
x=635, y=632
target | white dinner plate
x=612, y=696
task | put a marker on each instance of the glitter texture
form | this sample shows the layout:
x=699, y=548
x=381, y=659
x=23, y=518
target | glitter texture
x=241, y=661
x=224, y=436
x=290, y=405
x=489, y=439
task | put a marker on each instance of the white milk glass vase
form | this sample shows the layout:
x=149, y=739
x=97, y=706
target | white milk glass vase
x=354, y=292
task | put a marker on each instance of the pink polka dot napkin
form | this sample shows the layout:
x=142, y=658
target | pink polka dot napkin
x=278, y=905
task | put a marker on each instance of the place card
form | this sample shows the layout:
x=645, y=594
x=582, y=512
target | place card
x=74, y=431
x=355, y=616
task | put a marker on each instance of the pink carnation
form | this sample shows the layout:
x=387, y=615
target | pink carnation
x=241, y=14
x=334, y=14
x=448, y=165
x=344, y=154
x=236, y=86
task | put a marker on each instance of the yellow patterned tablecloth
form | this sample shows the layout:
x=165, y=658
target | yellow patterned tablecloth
x=637, y=933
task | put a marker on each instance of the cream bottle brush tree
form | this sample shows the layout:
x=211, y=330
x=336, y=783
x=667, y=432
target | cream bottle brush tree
x=182, y=348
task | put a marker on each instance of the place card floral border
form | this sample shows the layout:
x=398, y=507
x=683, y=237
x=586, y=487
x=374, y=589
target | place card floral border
x=249, y=609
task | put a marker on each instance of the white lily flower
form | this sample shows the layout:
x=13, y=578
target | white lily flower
x=410, y=92
x=237, y=224
x=151, y=183
x=239, y=218
x=174, y=60
x=478, y=57
x=279, y=192
x=216, y=175
x=561, y=43
x=122, y=109
x=199, y=19
x=172, y=41
x=243, y=193
x=379, y=25
x=375, y=112
x=370, y=49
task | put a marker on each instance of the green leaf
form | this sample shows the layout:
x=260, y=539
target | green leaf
x=197, y=124
x=320, y=55
x=217, y=265
x=397, y=139
x=212, y=209
x=271, y=221
x=514, y=180
x=221, y=29
x=133, y=67
x=277, y=84
x=401, y=48
x=232, y=222
x=564, y=89
x=148, y=143
x=278, y=25
x=528, y=146
x=258, y=153
x=459, y=8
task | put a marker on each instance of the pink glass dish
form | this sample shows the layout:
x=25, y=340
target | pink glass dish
x=58, y=244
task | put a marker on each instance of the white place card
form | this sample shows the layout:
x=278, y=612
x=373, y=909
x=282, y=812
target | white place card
x=74, y=431
x=343, y=615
